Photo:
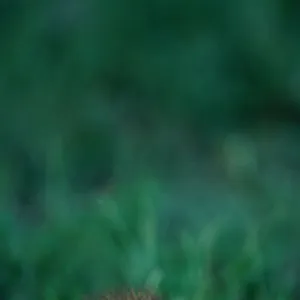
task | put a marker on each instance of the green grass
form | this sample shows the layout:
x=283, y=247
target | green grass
x=95, y=92
x=118, y=243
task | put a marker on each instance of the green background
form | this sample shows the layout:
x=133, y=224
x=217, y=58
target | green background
x=149, y=144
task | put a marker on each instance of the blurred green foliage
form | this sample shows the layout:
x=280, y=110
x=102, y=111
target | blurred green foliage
x=98, y=92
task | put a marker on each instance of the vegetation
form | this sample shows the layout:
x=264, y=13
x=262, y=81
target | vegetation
x=149, y=144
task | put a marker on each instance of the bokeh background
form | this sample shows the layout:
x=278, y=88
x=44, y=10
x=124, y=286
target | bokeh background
x=150, y=144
